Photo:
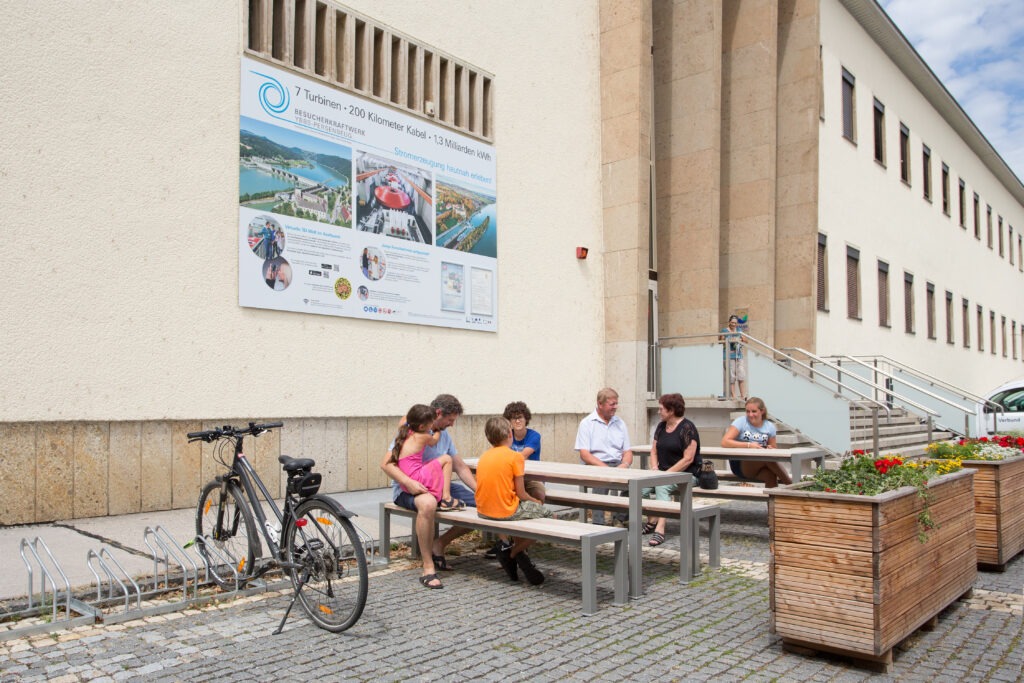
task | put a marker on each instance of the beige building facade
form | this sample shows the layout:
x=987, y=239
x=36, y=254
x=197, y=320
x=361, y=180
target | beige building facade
x=697, y=144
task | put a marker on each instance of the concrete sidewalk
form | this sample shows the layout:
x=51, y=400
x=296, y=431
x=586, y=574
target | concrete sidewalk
x=125, y=535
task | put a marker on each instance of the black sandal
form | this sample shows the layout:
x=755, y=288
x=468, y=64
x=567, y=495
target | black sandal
x=441, y=563
x=427, y=578
x=648, y=527
x=656, y=540
x=451, y=505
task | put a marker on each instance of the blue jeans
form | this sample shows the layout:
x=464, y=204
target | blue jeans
x=459, y=491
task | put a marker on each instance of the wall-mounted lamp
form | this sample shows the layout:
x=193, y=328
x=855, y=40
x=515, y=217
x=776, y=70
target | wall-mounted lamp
x=581, y=252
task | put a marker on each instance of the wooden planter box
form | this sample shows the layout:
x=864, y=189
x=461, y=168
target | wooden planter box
x=998, y=510
x=849, y=575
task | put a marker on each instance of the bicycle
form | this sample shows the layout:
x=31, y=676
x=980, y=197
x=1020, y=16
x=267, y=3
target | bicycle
x=319, y=549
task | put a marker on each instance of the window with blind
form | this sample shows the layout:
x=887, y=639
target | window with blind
x=904, y=154
x=988, y=223
x=966, y=314
x=1002, y=250
x=963, y=204
x=822, y=274
x=992, y=332
x=1020, y=253
x=849, y=107
x=1002, y=334
x=853, y=283
x=949, y=318
x=908, y=303
x=331, y=43
x=929, y=302
x=981, y=329
x=926, y=171
x=977, y=216
x=1013, y=337
x=879, y=128
x=945, y=189
x=883, y=294
x=1010, y=242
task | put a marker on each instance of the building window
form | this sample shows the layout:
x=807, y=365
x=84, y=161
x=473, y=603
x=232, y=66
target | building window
x=929, y=295
x=926, y=171
x=945, y=189
x=849, y=108
x=340, y=47
x=992, y=332
x=988, y=223
x=822, y=273
x=1020, y=254
x=981, y=329
x=963, y=204
x=1009, y=241
x=904, y=154
x=1002, y=334
x=977, y=216
x=966, y=315
x=908, y=303
x=853, y=283
x=949, y=318
x=1013, y=337
x=883, y=294
x=1001, y=248
x=880, y=132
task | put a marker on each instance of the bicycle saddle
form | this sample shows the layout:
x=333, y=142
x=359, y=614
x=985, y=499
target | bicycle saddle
x=290, y=464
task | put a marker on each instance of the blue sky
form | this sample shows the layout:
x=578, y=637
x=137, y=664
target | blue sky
x=976, y=48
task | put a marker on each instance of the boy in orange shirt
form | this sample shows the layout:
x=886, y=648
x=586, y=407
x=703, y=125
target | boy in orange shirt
x=501, y=494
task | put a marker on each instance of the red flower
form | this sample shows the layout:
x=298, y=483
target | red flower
x=1020, y=441
x=983, y=439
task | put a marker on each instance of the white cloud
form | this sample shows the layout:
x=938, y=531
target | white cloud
x=977, y=49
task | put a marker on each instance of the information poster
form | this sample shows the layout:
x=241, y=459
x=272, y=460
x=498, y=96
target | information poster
x=349, y=208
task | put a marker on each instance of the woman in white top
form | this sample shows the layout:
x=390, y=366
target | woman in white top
x=754, y=430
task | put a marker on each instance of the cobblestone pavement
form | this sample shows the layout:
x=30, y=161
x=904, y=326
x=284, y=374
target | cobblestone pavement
x=481, y=627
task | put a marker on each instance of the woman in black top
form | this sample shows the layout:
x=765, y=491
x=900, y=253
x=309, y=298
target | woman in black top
x=675, y=448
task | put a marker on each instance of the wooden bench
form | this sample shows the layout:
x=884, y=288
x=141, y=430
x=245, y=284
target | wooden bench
x=653, y=508
x=732, y=491
x=587, y=537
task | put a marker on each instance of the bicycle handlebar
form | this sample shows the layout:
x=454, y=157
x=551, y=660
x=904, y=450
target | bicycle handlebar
x=227, y=431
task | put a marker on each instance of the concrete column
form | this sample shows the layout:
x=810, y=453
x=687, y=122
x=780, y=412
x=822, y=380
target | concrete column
x=625, y=150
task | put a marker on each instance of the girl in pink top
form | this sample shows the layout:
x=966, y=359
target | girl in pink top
x=413, y=436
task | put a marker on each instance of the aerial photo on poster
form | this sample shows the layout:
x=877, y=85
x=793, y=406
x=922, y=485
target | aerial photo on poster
x=393, y=198
x=467, y=219
x=293, y=174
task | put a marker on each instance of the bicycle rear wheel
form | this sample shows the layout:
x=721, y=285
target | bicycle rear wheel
x=225, y=522
x=332, y=581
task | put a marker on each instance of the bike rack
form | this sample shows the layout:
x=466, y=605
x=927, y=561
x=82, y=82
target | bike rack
x=171, y=550
x=209, y=550
x=104, y=559
x=58, y=598
x=369, y=548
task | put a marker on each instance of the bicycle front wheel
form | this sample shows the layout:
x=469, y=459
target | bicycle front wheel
x=225, y=523
x=329, y=572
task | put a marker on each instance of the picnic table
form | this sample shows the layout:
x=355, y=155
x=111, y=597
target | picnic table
x=795, y=457
x=633, y=481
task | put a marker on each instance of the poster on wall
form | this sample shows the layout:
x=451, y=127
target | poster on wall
x=352, y=209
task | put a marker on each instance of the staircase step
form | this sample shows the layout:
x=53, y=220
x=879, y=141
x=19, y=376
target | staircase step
x=858, y=433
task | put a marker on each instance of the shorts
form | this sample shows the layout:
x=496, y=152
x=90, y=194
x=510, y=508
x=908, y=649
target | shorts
x=737, y=370
x=535, y=489
x=527, y=510
x=459, y=492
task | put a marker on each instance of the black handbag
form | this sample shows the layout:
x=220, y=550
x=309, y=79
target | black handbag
x=706, y=476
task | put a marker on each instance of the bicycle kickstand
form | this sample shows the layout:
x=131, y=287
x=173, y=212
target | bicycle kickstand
x=295, y=596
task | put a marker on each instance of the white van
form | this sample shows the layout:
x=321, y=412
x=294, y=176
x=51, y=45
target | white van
x=1011, y=419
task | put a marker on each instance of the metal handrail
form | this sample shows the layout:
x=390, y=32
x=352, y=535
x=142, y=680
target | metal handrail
x=945, y=385
x=884, y=390
x=888, y=375
x=791, y=359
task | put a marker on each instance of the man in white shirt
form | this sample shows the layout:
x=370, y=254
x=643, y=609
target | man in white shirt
x=603, y=440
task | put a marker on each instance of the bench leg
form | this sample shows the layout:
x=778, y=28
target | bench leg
x=687, y=534
x=589, y=551
x=385, y=533
x=695, y=548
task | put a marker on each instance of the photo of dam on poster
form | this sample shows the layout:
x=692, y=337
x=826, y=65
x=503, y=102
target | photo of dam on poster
x=353, y=209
